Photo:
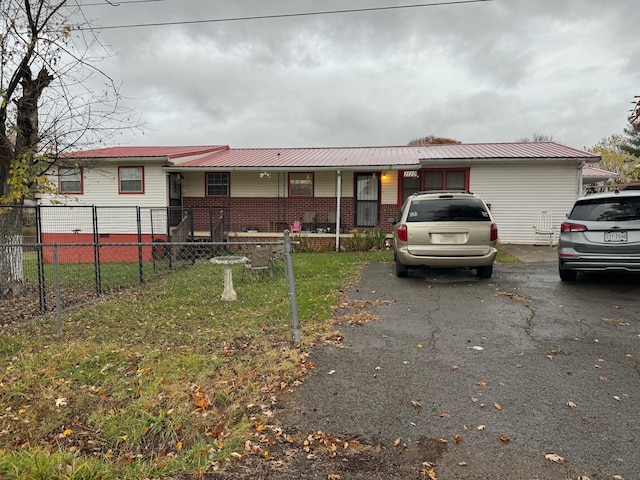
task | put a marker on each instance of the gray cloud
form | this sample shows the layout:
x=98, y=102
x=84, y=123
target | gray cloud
x=494, y=71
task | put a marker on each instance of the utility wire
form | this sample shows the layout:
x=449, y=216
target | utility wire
x=112, y=3
x=283, y=15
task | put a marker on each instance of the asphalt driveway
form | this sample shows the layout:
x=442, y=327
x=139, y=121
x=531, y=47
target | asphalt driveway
x=516, y=377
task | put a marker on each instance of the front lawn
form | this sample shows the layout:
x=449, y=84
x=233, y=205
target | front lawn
x=164, y=378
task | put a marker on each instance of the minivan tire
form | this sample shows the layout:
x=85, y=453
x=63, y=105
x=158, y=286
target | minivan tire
x=485, y=272
x=401, y=270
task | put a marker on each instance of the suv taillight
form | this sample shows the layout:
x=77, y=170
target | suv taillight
x=402, y=232
x=572, y=227
x=494, y=232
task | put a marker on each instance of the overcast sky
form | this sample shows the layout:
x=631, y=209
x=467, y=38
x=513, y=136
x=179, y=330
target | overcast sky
x=493, y=71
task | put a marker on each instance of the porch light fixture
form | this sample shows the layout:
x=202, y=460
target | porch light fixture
x=265, y=175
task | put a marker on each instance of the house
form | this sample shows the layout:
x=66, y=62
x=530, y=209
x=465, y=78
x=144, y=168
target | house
x=262, y=191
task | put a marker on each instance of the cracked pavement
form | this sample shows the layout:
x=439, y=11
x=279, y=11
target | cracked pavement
x=498, y=373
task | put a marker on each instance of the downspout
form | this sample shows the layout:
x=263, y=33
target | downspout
x=580, y=183
x=338, y=197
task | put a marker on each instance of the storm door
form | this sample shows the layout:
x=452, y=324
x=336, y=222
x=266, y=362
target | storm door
x=175, y=198
x=367, y=200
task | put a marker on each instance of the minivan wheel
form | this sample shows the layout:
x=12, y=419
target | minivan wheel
x=567, y=275
x=401, y=270
x=485, y=272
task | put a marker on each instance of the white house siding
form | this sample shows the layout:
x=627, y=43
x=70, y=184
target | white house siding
x=251, y=185
x=517, y=192
x=389, y=188
x=101, y=189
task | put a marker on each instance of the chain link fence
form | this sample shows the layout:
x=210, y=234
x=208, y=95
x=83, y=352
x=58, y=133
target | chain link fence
x=53, y=278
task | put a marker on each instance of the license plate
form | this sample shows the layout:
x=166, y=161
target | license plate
x=615, y=236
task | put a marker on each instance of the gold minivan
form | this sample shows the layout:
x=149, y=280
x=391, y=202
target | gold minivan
x=445, y=229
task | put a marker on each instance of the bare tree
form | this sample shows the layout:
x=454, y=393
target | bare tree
x=537, y=137
x=47, y=63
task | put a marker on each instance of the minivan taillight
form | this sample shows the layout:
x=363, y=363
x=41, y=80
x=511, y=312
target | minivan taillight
x=494, y=232
x=572, y=227
x=402, y=232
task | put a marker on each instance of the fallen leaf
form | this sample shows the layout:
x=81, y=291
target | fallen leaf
x=61, y=402
x=331, y=372
x=504, y=438
x=416, y=404
x=554, y=458
x=481, y=383
x=458, y=439
x=616, y=397
x=67, y=432
x=476, y=347
x=397, y=442
x=462, y=464
x=481, y=427
x=445, y=415
x=333, y=476
x=604, y=379
x=419, y=345
x=474, y=399
x=571, y=405
x=497, y=405
x=443, y=440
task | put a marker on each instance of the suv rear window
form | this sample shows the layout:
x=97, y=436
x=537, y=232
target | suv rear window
x=447, y=209
x=619, y=209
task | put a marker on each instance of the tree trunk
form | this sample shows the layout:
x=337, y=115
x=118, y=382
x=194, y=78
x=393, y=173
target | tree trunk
x=26, y=144
x=11, y=271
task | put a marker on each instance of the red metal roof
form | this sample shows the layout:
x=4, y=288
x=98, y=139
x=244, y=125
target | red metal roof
x=593, y=173
x=400, y=156
x=145, y=152
x=527, y=150
x=221, y=156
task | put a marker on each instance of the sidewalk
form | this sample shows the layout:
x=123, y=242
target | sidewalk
x=531, y=253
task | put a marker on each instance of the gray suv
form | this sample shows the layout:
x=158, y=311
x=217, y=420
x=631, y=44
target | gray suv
x=602, y=233
x=444, y=230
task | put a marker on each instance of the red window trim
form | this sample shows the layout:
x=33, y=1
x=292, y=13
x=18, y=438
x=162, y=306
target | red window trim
x=421, y=173
x=206, y=184
x=313, y=185
x=467, y=171
x=81, y=191
x=120, y=183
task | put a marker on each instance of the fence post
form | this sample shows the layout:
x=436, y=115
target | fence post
x=96, y=250
x=295, y=322
x=56, y=287
x=140, y=258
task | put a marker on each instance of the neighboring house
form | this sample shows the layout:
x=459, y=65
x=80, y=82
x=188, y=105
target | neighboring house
x=594, y=179
x=269, y=189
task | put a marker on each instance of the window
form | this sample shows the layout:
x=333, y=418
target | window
x=301, y=184
x=217, y=184
x=446, y=179
x=131, y=179
x=70, y=180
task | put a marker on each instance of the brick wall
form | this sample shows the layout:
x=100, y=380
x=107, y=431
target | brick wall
x=269, y=214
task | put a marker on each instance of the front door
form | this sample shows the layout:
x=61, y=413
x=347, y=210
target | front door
x=367, y=200
x=175, y=198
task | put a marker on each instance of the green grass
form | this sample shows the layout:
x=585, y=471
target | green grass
x=163, y=378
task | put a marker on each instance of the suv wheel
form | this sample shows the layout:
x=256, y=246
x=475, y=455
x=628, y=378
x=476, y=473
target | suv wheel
x=567, y=275
x=401, y=270
x=485, y=272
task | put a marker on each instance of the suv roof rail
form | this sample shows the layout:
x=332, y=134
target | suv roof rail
x=445, y=191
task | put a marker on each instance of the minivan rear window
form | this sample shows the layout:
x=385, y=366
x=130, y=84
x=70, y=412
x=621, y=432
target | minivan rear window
x=620, y=209
x=447, y=209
